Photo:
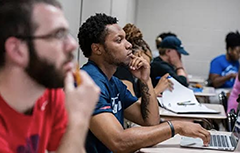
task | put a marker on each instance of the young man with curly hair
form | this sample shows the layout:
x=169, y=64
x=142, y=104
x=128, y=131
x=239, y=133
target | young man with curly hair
x=103, y=41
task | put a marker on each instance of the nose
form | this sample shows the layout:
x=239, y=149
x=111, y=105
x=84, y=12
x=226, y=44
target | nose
x=70, y=44
x=128, y=45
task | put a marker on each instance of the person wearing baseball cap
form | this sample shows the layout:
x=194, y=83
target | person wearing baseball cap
x=169, y=61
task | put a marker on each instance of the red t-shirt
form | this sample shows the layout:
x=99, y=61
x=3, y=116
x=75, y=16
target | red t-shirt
x=38, y=132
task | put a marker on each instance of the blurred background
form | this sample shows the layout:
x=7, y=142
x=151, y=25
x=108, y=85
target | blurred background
x=200, y=24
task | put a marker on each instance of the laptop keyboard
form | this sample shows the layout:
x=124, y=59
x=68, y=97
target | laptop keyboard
x=220, y=141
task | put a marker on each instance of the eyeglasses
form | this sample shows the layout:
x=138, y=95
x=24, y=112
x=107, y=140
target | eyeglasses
x=60, y=34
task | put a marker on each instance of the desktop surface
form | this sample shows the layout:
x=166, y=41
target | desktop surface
x=172, y=145
x=166, y=113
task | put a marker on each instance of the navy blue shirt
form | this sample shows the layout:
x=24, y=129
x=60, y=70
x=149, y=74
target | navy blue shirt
x=114, y=98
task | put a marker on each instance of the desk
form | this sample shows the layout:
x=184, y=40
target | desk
x=196, y=79
x=168, y=114
x=206, y=92
x=173, y=146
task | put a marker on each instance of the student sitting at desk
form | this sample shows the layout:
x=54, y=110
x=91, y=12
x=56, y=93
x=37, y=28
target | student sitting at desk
x=232, y=100
x=36, y=53
x=103, y=41
x=140, y=48
x=169, y=61
x=224, y=68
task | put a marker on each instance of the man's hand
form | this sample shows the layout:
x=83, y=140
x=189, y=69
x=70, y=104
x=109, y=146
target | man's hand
x=140, y=68
x=233, y=75
x=175, y=58
x=192, y=130
x=81, y=100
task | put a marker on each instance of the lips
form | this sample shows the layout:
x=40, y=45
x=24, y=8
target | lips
x=130, y=53
x=68, y=66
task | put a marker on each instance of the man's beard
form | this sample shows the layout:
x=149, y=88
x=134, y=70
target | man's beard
x=111, y=59
x=44, y=72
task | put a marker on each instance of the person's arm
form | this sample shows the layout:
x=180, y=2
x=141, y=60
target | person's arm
x=80, y=102
x=146, y=112
x=218, y=81
x=175, y=60
x=110, y=132
x=163, y=84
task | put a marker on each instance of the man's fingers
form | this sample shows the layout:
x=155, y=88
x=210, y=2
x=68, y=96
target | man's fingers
x=69, y=81
x=206, y=134
x=135, y=63
x=166, y=75
x=203, y=137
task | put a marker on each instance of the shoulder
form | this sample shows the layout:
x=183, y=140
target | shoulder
x=91, y=69
x=157, y=60
x=118, y=82
x=95, y=73
x=219, y=58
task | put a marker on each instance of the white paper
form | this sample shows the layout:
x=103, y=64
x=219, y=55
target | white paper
x=180, y=94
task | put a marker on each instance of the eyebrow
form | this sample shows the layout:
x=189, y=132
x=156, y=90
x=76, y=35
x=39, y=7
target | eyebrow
x=59, y=29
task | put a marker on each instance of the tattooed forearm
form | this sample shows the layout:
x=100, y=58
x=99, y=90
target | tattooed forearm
x=145, y=100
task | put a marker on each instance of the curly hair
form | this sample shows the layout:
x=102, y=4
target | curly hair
x=135, y=37
x=94, y=31
x=232, y=40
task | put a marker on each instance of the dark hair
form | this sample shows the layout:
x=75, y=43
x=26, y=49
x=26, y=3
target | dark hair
x=94, y=31
x=16, y=19
x=159, y=38
x=232, y=40
x=135, y=37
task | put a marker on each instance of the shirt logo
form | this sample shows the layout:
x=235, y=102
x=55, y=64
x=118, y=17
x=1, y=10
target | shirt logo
x=116, y=104
x=106, y=107
x=44, y=105
x=31, y=145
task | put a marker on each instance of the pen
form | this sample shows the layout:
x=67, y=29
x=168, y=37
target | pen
x=77, y=76
x=186, y=103
x=159, y=77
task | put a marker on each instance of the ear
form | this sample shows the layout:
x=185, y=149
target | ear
x=96, y=48
x=16, y=51
x=167, y=51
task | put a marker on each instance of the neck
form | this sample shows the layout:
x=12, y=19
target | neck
x=108, y=69
x=228, y=57
x=18, y=89
x=164, y=58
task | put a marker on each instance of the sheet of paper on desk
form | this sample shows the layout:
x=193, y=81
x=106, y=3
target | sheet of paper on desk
x=182, y=100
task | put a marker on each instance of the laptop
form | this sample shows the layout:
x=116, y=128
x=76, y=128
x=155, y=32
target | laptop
x=227, y=141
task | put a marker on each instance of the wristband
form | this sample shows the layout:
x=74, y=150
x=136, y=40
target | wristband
x=172, y=128
x=179, y=68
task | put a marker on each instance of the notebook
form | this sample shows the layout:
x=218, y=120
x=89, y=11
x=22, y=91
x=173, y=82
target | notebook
x=219, y=141
x=182, y=100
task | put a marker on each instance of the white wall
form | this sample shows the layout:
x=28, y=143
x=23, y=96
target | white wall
x=201, y=25
x=77, y=11
x=71, y=10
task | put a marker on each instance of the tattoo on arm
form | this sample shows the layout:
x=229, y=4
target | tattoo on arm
x=145, y=100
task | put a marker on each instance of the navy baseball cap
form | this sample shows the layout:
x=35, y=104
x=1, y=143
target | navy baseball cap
x=173, y=43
